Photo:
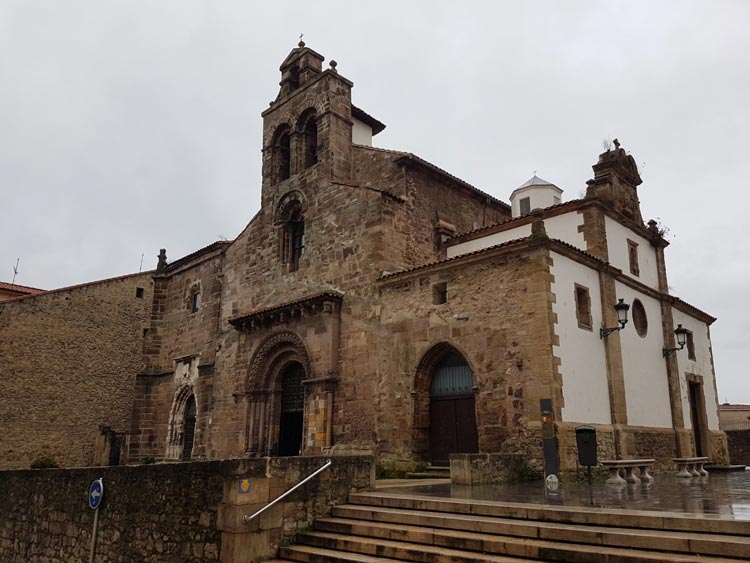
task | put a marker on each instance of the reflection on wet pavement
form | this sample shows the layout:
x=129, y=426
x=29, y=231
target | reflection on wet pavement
x=724, y=494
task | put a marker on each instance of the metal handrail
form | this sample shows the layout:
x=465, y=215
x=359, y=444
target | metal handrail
x=246, y=519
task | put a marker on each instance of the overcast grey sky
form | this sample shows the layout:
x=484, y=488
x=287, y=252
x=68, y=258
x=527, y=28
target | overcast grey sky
x=130, y=126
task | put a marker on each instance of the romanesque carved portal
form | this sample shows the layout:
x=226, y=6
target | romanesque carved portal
x=182, y=421
x=444, y=409
x=275, y=396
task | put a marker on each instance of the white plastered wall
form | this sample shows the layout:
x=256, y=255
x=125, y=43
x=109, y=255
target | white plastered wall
x=617, y=247
x=583, y=362
x=644, y=368
x=700, y=366
x=563, y=227
x=521, y=231
x=361, y=133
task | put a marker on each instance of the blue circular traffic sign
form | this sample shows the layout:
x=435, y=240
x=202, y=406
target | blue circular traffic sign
x=96, y=493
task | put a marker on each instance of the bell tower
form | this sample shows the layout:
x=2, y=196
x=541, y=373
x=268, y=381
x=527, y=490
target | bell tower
x=307, y=130
x=616, y=180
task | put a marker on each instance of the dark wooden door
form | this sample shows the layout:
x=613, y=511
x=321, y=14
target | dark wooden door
x=292, y=411
x=188, y=435
x=290, y=433
x=115, y=448
x=695, y=418
x=453, y=428
x=453, y=424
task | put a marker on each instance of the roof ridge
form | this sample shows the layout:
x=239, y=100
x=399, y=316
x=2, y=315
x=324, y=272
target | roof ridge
x=19, y=287
x=445, y=260
x=512, y=219
x=379, y=149
x=78, y=286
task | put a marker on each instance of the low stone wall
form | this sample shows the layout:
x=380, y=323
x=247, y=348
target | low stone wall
x=186, y=512
x=478, y=469
x=739, y=446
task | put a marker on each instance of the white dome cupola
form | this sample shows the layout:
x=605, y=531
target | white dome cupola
x=534, y=194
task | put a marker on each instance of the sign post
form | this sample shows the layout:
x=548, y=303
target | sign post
x=549, y=440
x=96, y=494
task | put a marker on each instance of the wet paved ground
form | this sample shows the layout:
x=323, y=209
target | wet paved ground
x=723, y=494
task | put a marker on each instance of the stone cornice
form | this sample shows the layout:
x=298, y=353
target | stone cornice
x=309, y=305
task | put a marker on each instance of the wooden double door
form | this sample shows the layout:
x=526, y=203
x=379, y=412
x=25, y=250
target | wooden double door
x=453, y=425
x=453, y=428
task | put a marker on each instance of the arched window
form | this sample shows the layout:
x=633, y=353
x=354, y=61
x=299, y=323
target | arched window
x=292, y=221
x=295, y=240
x=308, y=127
x=282, y=154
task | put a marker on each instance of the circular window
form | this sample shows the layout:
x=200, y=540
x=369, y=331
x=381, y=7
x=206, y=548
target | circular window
x=640, y=322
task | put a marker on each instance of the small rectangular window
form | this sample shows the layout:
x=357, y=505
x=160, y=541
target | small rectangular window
x=583, y=307
x=195, y=302
x=633, y=257
x=525, y=205
x=439, y=293
x=690, y=346
x=139, y=292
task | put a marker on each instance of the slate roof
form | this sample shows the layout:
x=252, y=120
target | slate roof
x=366, y=118
x=535, y=181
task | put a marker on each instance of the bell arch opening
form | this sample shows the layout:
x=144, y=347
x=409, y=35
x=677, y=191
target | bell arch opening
x=281, y=154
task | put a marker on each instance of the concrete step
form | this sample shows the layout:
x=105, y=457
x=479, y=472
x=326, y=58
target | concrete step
x=495, y=549
x=431, y=472
x=430, y=475
x=382, y=521
x=652, y=520
x=404, y=551
x=511, y=544
x=312, y=554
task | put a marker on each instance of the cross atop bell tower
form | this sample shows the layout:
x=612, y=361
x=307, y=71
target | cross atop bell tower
x=300, y=67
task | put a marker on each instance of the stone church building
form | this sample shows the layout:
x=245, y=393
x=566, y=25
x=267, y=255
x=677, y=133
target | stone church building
x=375, y=304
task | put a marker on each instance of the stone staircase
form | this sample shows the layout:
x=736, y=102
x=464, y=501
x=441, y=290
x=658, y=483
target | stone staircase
x=382, y=527
x=431, y=472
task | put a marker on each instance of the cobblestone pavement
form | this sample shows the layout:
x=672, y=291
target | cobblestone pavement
x=721, y=494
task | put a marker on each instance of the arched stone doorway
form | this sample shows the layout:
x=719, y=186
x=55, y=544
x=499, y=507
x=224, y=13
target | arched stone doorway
x=291, y=418
x=275, y=415
x=444, y=410
x=182, y=425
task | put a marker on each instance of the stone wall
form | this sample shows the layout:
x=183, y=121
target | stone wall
x=186, y=512
x=739, y=446
x=481, y=469
x=506, y=340
x=179, y=354
x=69, y=360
